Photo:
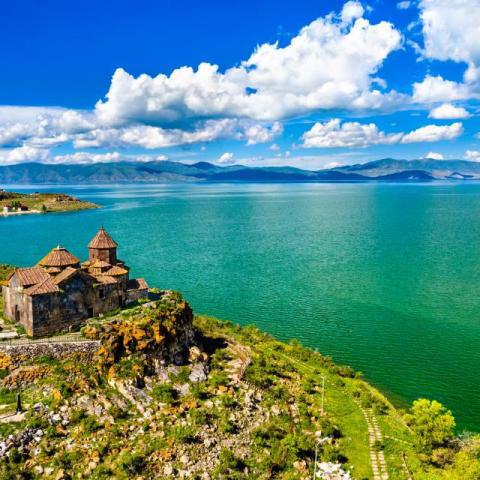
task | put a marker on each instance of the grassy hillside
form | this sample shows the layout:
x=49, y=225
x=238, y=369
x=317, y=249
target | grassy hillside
x=44, y=202
x=240, y=405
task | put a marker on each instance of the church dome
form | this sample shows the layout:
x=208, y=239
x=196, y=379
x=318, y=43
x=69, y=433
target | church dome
x=59, y=257
x=102, y=240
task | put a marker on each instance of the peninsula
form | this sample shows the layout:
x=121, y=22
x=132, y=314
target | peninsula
x=14, y=203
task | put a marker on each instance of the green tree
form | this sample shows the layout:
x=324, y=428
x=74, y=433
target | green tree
x=432, y=424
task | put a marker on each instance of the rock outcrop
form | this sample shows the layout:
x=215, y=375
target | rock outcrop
x=161, y=333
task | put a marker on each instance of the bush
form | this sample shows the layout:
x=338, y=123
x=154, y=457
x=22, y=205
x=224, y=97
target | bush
x=164, y=393
x=90, y=425
x=131, y=462
x=229, y=466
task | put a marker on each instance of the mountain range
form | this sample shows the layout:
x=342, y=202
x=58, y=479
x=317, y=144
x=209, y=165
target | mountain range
x=387, y=169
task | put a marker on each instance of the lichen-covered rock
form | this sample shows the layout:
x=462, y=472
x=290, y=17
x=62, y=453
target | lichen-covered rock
x=161, y=332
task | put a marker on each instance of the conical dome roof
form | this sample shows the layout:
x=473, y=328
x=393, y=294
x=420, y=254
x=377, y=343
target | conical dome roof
x=102, y=240
x=59, y=257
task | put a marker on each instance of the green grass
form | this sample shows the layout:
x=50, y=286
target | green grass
x=53, y=202
x=286, y=381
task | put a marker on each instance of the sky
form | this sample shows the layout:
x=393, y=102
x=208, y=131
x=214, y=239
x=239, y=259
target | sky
x=312, y=84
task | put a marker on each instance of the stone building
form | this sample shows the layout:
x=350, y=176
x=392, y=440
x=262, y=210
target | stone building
x=59, y=293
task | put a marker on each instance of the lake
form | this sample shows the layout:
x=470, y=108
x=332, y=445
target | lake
x=385, y=278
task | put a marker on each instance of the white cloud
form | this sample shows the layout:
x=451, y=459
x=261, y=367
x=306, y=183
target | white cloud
x=437, y=89
x=274, y=147
x=447, y=111
x=226, y=158
x=148, y=136
x=349, y=134
x=351, y=11
x=354, y=134
x=10, y=114
x=22, y=154
x=434, y=156
x=86, y=158
x=41, y=126
x=40, y=155
x=434, y=133
x=403, y=5
x=262, y=134
x=472, y=155
x=450, y=31
x=329, y=64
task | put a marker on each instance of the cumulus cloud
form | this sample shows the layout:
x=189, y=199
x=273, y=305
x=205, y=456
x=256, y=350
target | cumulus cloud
x=354, y=134
x=41, y=126
x=450, y=29
x=336, y=55
x=447, y=111
x=403, y=5
x=450, y=32
x=434, y=156
x=41, y=155
x=262, y=134
x=434, y=133
x=23, y=154
x=351, y=11
x=436, y=89
x=87, y=157
x=472, y=155
x=150, y=137
x=226, y=158
x=349, y=134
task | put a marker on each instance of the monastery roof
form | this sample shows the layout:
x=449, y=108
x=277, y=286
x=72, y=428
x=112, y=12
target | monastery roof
x=137, y=284
x=102, y=240
x=59, y=257
x=100, y=264
x=65, y=275
x=30, y=276
x=46, y=286
x=116, y=270
x=53, y=270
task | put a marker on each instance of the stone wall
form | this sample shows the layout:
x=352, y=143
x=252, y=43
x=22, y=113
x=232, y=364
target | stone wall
x=68, y=309
x=60, y=351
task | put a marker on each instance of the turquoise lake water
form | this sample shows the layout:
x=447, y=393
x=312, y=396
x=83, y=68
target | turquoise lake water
x=385, y=278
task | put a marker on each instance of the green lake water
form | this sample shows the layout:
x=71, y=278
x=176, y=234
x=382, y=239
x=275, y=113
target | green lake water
x=385, y=278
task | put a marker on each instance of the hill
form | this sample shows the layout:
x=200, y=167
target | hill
x=166, y=171
x=152, y=392
x=19, y=203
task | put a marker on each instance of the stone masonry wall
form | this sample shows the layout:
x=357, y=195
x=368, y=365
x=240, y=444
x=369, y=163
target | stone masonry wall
x=60, y=351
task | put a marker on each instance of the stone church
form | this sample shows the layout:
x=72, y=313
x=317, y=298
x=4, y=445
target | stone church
x=59, y=293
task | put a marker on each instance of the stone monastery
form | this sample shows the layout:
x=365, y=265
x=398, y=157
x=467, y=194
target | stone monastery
x=59, y=293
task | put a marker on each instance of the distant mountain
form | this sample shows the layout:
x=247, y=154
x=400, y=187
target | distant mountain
x=436, y=169
x=385, y=170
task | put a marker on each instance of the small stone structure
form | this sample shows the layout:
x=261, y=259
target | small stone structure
x=60, y=293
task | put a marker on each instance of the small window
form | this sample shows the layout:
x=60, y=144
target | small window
x=101, y=293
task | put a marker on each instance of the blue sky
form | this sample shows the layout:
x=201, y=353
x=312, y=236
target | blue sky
x=309, y=84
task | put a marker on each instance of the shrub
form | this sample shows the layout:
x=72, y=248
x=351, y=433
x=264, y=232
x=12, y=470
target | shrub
x=132, y=462
x=164, y=393
x=229, y=466
x=90, y=425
